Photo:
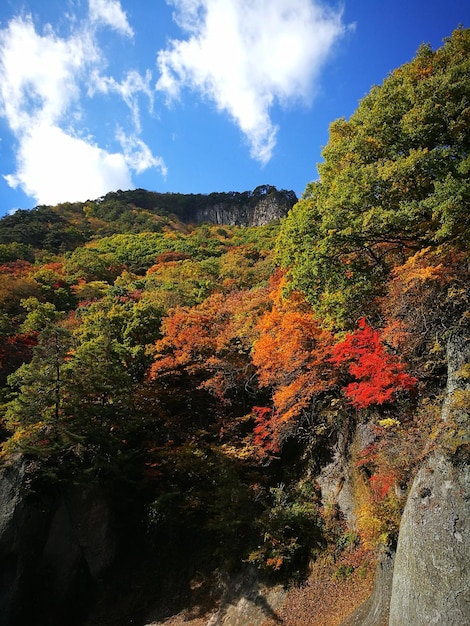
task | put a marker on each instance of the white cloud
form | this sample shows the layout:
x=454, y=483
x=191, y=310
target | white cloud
x=245, y=56
x=138, y=155
x=44, y=81
x=110, y=13
x=129, y=89
x=54, y=167
x=39, y=73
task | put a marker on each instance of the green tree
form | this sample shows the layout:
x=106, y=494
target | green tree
x=89, y=264
x=394, y=180
x=98, y=374
x=108, y=359
x=38, y=386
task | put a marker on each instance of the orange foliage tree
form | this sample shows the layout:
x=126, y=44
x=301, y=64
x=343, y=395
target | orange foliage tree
x=425, y=297
x=211, y=343
x=292, y=357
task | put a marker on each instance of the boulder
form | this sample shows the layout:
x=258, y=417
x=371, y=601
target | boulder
x=55, y=544
x=431, y=580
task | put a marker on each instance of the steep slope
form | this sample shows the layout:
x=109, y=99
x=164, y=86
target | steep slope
x=222, y=414
x=431, y=578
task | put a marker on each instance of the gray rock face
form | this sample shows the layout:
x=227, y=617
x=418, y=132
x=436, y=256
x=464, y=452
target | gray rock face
x=53, y=548
x=245, y=602
x=335, y=481
x=80, y=540
x=458, y=355
x=266, y=210
x=431, y=580
x=11, y=481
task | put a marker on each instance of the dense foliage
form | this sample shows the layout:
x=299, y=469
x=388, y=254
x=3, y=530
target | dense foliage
x=395, y=180
x=68, y=225
x=135, y=348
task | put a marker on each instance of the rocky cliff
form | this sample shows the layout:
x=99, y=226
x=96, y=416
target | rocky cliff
x=248, y=208
x=265, y=210
x=54, y=547
x=431, y=579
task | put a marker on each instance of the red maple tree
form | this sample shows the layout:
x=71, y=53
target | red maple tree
x=379, y=374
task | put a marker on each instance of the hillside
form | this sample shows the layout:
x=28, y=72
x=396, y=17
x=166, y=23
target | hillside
x=68, y=225
x=241, y=406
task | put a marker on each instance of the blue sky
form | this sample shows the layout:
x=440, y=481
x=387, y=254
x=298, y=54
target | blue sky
x=189, y=96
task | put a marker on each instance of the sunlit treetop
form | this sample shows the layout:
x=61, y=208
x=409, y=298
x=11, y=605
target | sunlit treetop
x=395, y=179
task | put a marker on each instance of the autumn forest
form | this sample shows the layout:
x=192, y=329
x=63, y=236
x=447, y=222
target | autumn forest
x=203, y=373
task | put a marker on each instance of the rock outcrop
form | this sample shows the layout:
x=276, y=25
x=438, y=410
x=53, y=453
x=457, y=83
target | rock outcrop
x=246, y=601
x=259, y=207
x=335, y=478
x=265, y=210
x=431, y=580
x=54, y=547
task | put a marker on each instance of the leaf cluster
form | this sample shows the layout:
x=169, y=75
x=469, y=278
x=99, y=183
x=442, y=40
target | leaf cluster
x=394, y=180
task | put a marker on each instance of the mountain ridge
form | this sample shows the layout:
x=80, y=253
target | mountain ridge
x=66, y=225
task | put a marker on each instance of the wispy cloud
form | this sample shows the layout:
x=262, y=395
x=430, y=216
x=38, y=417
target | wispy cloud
x=44, y=81
x=129, y=89
x=138, y=155
x=246, y=56
x=110, y=13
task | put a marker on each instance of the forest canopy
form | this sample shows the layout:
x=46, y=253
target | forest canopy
x=214, y=368
x=395, y=179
